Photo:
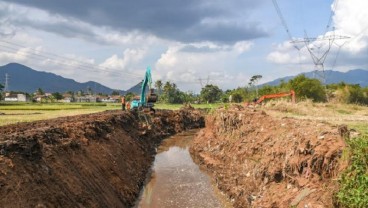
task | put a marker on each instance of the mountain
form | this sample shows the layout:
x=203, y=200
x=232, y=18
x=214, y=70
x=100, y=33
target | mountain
x=25, y=79
x=136, y=89
x=356, y=76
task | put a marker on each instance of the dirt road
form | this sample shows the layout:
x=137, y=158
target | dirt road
x=95, y=160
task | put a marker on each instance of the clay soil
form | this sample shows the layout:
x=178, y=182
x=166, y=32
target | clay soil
x=96, y=160
x=261, y=161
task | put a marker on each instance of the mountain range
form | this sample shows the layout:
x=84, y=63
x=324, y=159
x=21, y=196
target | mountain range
x=25, y=79
x=356, y=76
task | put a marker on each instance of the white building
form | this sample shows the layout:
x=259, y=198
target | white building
x=17, y=98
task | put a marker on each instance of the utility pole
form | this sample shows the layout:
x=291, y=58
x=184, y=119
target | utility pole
x=6, y=87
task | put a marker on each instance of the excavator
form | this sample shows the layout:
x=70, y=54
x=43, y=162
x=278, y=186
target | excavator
x=270, y=96
x=144, y=101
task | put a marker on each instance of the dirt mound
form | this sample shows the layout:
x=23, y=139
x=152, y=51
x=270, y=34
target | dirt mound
x=96, y=160
x=260, y=161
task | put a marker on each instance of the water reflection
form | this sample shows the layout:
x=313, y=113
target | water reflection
x=177, y=181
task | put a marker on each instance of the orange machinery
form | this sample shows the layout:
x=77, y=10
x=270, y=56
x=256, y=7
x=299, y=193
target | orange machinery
x=277, y=95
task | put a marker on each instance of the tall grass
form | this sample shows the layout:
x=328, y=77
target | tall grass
x=354, y=181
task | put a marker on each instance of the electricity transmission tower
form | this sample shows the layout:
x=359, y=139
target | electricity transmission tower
x=319, y=56
x=201, y=81
x=314, y=45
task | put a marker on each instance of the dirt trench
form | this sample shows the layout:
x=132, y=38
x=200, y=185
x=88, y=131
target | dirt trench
x=95, y=160
x=261, y=161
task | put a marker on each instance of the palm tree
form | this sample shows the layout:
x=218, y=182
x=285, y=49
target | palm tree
x=158, y=85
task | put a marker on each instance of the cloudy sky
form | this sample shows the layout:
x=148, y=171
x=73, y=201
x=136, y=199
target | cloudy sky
x=187, y=42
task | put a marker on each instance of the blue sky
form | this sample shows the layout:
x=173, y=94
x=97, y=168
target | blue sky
x=220, y=42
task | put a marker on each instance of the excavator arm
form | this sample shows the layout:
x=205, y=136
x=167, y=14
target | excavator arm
x=145, y=101
x=277, y=95
x=147, y=80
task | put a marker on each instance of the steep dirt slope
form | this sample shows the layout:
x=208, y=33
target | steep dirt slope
x=96, y=160
x=260, y=161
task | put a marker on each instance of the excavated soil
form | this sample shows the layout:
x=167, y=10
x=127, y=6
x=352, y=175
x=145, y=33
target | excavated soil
x=96, y=160
x=261, y=161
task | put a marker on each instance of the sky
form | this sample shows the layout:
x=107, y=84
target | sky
x=191, y=43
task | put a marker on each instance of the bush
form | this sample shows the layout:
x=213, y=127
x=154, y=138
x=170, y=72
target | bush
x=308, y=88
x=354, y=181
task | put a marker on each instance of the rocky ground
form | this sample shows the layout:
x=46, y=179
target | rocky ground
x=95, y=160
x=261, y=161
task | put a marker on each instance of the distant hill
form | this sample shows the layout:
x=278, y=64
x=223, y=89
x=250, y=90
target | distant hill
x=25, y=79
x=356, y=76
x=136, y=89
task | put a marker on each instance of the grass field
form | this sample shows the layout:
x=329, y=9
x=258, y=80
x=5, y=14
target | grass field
x=11, y=113
x=26, y=112
x=353, y=115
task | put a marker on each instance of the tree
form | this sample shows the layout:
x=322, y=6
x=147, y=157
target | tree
x=57, y=95
x=40, y=91
x=129, y=96
x=158, y=85
x=237, y=97
x=308, y=88
x=115, y=92
x=254, y=81
x=211, y=93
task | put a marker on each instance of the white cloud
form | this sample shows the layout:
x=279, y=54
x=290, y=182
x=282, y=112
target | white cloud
x=349, y=20
x=130, y=56
x=209, y=64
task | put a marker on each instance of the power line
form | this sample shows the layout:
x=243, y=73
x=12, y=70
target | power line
x=56, y=57
x=279, y=13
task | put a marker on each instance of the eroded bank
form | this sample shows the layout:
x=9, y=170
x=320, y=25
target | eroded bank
x=96, y=160
x=261, y=161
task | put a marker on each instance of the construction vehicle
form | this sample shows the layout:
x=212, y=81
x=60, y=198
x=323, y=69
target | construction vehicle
x=144, y=102
x=270, y=96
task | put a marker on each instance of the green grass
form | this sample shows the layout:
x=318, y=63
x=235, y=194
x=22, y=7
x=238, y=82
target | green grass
x=27, y=112
x=342, y=111
x=362, y=128
x=354, y=181
x=13, y=112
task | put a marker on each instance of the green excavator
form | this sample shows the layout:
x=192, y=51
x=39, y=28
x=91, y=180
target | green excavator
x=148, y=97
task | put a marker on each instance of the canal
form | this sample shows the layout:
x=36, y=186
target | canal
x=176, y=181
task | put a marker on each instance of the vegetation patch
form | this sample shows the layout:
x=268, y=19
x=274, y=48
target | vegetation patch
x=342, y=111
x=354, y=181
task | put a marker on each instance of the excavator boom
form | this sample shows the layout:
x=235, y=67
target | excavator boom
x=277, y=95
x=145, y=101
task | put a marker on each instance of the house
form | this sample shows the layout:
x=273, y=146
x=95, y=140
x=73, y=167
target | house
x=16, y=97
x=86, y=99
x=112, y=99
x=68, y=99
x=39, y=98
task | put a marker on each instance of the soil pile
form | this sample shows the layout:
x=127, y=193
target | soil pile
x=260, y=161
x=96, y=160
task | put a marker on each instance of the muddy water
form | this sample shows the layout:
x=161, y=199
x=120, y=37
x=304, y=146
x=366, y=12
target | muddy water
x=176, y=181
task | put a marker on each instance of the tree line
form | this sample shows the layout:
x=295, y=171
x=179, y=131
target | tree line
x=304, y=87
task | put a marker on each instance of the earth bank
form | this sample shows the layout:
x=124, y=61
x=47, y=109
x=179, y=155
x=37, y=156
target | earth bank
x=260, y=161
x=95, y=160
